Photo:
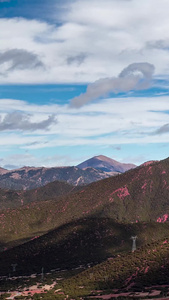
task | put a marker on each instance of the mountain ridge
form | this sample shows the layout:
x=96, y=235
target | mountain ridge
x=27, y=178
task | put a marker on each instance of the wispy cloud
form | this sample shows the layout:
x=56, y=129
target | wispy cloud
x=136, y=76
x=20, y=59
x=20, y=121
x=163, y=129
x=78, y=59
x=158, y=44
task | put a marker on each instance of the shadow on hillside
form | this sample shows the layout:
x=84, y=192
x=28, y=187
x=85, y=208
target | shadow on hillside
x=83, y=241
x=20, y=241
x=2, y=246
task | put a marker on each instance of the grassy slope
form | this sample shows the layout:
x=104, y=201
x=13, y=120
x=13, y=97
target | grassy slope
x=80, y=242
x=145, y=267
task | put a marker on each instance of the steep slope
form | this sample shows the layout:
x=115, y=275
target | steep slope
x=29, y=177
x=139, y=195
x=106, y=164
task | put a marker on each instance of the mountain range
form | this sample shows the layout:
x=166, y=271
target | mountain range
x=64, y=226
x=94, y=169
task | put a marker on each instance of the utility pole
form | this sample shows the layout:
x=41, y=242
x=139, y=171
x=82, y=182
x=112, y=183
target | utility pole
x=42, y=275
x=134, y=243
x=14, y=267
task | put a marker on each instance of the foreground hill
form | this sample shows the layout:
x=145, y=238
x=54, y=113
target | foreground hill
x=147, y=269
x=83, y=241
x=106, y=164
x=99, y=251
x=139, y=275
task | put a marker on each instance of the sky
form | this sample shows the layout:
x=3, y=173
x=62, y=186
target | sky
x=80, y=78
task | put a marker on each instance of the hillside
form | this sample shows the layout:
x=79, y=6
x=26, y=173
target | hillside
x=143, y=273
x=13, y=199
x=139, y=195
x=91, y=258
x=106, y=164
x=80, y=242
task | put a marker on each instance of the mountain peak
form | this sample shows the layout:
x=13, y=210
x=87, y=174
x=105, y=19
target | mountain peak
x=105, y=164
x=103, y=157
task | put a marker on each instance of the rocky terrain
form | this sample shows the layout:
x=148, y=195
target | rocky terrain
x=27, y=178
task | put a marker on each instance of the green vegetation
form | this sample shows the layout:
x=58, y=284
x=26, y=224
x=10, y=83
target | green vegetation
x=146, y=267
x=130, y=272
x=84, y=241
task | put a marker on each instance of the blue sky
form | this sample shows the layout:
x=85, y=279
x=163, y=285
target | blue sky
x=82, y=78
x=32, y=9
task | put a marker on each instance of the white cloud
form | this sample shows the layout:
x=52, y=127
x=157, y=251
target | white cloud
x=115, y=121
x=20, y=59
x=15, y=121
x=109, y=122
x=95, y=39
x=105, y=36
